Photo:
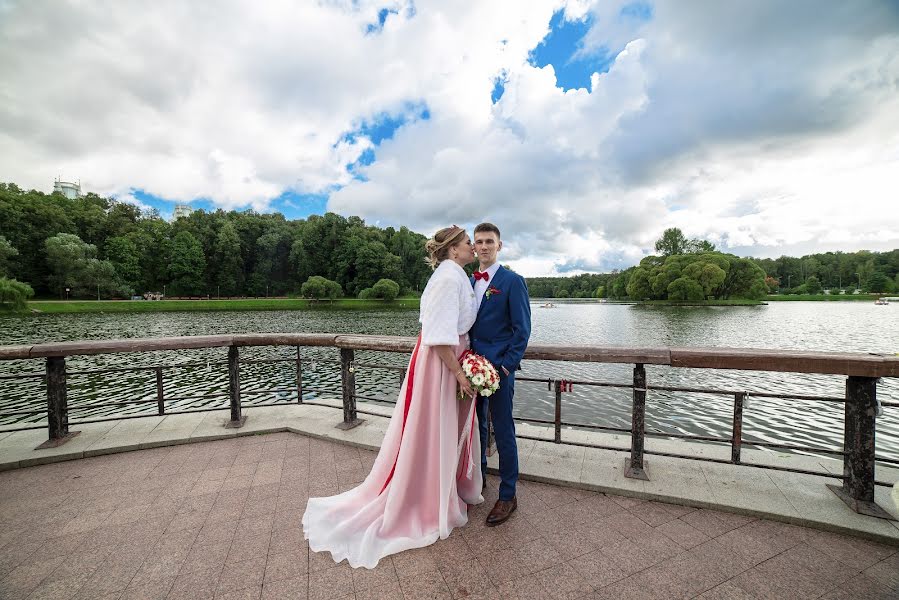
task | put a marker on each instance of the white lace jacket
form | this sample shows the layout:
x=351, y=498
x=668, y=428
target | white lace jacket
x=448, y=306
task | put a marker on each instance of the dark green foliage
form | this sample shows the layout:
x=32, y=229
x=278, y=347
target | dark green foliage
x=226, y=253
x=14, y=294
x=386, y=289
x=320, y=288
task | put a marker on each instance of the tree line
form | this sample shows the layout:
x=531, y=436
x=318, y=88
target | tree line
x=95, y=246
x=691, y=269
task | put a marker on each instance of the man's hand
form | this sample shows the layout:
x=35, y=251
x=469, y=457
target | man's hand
x=505, y=370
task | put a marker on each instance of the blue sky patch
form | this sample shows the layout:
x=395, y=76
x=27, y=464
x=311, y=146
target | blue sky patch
x=373, y=28
x=291, y=204
x=382, y=127
x=499, y=87
x=565, y=39
x=637, y=11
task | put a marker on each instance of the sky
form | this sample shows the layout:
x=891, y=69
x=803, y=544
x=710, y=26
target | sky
x=582, y=129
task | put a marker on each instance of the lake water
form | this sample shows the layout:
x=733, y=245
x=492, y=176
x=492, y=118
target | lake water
x=827, y=326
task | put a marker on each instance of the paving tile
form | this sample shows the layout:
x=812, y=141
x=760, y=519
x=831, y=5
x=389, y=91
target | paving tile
x=413, y=562
x=237, y=575
x=287, y=565
x=331, y=583
x=427, y=585
x=682, y=533
x=153, y=589
x=198, y=585
x=563, y=582
x=247, y=593
x=855, y=552
x=389, y=591
x=249, y=548
x=886, y=572
x=287, y=589
x=383, y=575
x=861, y=586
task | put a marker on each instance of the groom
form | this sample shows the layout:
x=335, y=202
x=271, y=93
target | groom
x=500, y=334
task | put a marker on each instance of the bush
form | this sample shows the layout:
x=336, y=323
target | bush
x=387, y=289
x=318, y=287
x=685, y=289
x=14, y=294
x=365, y=294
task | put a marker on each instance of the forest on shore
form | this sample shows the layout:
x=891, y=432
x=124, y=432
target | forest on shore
x=89, y=247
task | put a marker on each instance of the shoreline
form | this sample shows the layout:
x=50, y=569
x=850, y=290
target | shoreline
x=407, y=303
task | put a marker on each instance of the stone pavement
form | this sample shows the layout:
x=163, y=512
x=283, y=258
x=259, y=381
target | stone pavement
x=221, y=519
x=788, y=497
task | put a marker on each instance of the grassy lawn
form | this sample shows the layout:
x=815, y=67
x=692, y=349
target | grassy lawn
x=108, y=306
x=823, y=297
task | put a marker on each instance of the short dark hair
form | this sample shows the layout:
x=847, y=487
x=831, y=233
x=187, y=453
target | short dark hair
x=488, y=227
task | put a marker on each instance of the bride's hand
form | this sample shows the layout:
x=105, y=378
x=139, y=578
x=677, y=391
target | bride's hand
x=464, y=384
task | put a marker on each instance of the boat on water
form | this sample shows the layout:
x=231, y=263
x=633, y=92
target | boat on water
x=548, y=305
x=882, y=301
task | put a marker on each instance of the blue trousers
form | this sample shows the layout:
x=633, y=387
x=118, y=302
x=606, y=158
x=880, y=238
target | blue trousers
x=504, y=432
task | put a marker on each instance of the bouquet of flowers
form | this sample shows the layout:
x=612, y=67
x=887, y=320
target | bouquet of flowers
x=483, y=376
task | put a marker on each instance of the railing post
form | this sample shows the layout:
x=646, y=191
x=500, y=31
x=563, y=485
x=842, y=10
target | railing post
x=299, y=377
x=558, y=420
x=237, y=420
x=160, y=399
x=633, y=466
x=857, y=490
x=348, y=381
x=736, y=440
x=57, y=404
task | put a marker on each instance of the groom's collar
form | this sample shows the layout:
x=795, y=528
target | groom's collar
x=492, y=269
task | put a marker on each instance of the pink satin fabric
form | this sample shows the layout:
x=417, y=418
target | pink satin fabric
x=426, y=474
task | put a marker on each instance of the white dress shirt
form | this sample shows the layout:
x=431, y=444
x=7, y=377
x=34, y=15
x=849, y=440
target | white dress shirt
x=448, y=306
x=480, y=286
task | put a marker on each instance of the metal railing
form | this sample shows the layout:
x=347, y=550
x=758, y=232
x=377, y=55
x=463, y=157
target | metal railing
x=862, y=372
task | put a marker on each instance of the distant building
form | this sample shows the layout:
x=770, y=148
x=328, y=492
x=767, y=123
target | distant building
x=67, y=188
x=181, y=210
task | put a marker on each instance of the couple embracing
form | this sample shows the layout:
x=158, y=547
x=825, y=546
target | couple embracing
x=425, y=477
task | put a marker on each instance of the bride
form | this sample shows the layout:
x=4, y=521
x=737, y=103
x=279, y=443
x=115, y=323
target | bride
x=427, y=471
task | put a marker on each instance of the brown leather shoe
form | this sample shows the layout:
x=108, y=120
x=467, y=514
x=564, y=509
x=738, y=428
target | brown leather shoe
x=501, y=512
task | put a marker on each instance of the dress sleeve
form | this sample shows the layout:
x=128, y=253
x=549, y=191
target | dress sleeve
x=440, y=313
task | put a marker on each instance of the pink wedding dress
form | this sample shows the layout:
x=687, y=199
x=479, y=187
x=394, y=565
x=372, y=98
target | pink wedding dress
x=426, y=473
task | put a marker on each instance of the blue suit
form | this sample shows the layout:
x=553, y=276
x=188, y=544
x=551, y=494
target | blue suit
x=500, y=333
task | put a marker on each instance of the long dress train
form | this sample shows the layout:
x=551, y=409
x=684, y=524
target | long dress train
x=426, y=473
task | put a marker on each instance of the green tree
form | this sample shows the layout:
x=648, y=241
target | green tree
x=707, y=274
x=877, y=283
x=122, y=252
x=386, y=289
x=73, y=264
x=639, y=286
x=700, y=246
x=67, y=258
x=228, y=261
x=318, y=287
x=813, y=285
x=14, y=294
x=672, y=242
x=7, y=253
x=187, y=266
x=685, y=289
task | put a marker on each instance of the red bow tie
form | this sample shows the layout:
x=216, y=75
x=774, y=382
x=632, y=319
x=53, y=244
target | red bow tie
x=478, y=275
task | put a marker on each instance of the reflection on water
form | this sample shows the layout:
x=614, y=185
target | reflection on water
x=838, y=326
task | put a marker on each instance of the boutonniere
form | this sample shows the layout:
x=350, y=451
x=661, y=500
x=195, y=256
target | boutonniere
x=490, y=291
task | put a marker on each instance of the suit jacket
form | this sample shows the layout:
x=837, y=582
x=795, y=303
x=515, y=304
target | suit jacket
x=503, y=325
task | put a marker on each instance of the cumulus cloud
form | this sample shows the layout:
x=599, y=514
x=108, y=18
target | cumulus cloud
x=765, y=127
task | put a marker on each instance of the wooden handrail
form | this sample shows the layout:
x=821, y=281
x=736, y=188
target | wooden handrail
x=795, y=361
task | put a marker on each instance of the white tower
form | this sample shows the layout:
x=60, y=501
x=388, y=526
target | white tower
x=67, y=188
x=181, y=210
